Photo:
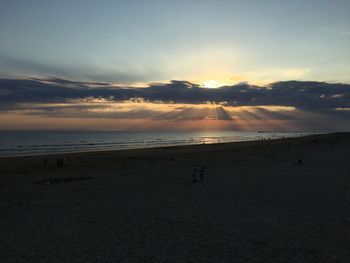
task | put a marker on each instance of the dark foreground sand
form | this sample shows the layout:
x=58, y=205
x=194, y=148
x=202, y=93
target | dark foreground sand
x=254, y=205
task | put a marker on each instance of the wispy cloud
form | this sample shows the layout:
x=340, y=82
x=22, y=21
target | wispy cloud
x=11, y=65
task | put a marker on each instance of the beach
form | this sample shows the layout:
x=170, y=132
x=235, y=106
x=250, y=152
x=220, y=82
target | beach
x=283, y=200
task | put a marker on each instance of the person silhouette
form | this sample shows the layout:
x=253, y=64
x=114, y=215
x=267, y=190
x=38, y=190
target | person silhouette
x=201, y=173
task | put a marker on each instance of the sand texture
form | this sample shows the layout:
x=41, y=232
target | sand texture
x=285, y=200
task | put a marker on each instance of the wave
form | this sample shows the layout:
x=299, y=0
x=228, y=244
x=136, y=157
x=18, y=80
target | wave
x=19, y=144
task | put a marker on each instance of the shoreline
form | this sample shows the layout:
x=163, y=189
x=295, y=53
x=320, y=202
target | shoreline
x=156, y=147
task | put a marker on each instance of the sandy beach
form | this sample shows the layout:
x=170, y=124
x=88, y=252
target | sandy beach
x=285, y=200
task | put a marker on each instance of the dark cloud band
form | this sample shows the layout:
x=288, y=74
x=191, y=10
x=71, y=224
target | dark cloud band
x=303, y=95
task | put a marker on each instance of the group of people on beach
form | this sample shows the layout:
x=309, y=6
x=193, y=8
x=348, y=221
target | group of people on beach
x=59, y=162
x=198, y=172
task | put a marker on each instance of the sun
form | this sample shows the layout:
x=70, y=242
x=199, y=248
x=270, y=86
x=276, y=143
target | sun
x=212, y=84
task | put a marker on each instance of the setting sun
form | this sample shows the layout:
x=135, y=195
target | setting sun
x=212, y=84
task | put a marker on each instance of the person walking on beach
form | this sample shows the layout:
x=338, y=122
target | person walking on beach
x=201, y=173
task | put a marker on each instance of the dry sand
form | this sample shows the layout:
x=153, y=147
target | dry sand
x=255, y=204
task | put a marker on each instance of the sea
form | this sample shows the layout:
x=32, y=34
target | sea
x=24, y=143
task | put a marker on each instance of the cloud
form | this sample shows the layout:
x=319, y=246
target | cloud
x=90, y=72
x=310, y=95
x=313, y=103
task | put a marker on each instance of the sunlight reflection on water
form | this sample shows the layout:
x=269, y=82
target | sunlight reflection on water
x=16, y=143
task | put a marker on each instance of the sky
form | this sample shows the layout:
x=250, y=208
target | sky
x=146, y=41
x=112, y=46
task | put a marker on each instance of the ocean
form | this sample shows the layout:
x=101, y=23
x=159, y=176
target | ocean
x=22, y=143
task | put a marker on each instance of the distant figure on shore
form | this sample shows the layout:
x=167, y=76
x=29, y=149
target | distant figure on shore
x=69, y=161
x=45, y=161
x=201, y=173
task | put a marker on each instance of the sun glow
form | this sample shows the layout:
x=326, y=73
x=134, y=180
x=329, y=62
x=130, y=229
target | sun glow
x=212, y=84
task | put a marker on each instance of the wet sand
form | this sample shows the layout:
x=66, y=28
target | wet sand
x=284, y=200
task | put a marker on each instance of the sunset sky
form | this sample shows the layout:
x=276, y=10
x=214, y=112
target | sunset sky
x=175, y=65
